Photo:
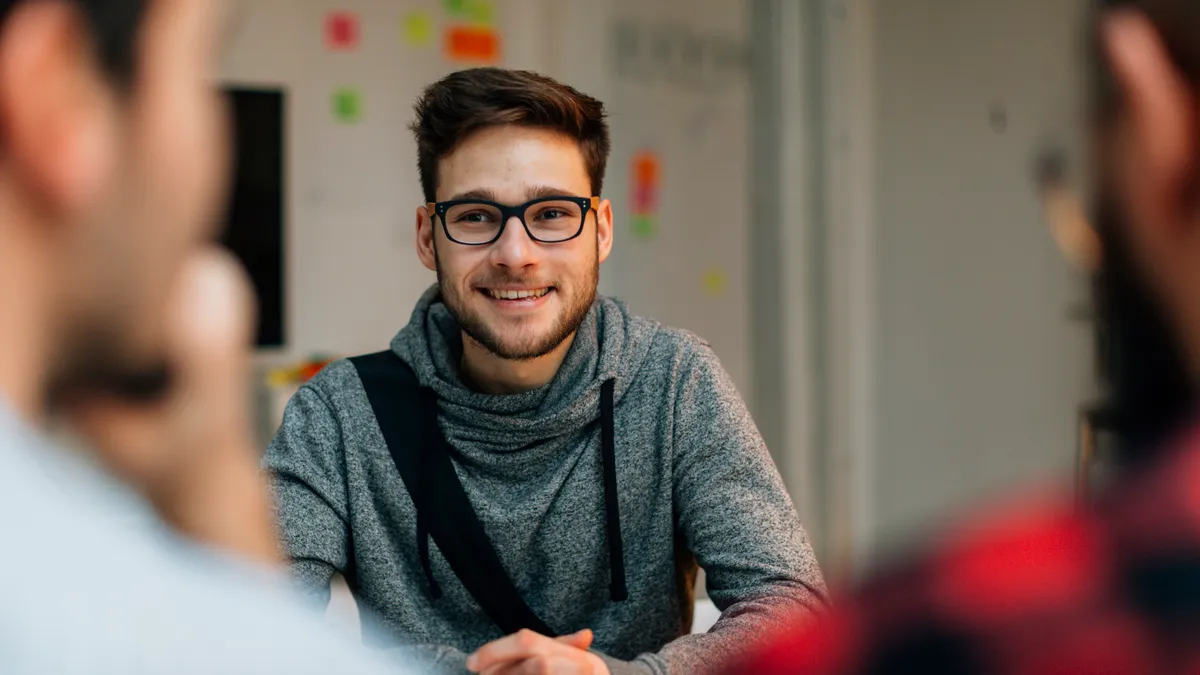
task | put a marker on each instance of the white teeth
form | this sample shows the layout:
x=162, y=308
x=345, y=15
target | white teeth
x=517, y=295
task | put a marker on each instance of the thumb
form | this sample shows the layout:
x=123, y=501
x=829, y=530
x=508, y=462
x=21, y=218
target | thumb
x=581, y=640
x=209, y=333
x=211, y=316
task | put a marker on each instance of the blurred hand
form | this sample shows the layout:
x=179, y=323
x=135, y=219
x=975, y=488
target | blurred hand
x=528, y=653
x=192, y=453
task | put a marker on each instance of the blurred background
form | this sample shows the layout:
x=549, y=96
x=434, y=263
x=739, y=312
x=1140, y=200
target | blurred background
x=837, y=194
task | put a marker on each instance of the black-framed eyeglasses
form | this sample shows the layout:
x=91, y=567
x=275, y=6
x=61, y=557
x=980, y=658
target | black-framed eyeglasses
x=547, y=220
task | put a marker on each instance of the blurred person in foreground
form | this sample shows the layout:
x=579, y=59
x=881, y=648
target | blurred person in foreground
x=1047, y=587
x=116, y=317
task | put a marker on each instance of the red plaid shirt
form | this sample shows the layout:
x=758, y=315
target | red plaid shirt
x=1043, y=588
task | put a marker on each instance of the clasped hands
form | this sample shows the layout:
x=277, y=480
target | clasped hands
x=530, y=653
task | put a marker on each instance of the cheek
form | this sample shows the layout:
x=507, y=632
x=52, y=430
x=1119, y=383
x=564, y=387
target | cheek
x=460, y=267
x=186, y=162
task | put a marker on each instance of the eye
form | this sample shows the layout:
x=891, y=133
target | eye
x=473, y=217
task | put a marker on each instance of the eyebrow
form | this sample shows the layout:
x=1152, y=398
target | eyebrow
x=535, y=192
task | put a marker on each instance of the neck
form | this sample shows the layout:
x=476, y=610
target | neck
x=25, y=353
x=490, y=374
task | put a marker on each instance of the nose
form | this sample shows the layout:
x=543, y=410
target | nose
x=514, y=248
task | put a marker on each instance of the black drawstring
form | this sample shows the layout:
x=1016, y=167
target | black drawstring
x=612, y=509
x=423, y=549
x=429, y=436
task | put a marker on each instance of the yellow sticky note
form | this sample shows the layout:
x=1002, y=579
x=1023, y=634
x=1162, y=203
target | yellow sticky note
x=715, y=282
x=417, y=29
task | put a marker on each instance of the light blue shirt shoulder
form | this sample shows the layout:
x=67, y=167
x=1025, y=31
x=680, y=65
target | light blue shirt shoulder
x=93, y=584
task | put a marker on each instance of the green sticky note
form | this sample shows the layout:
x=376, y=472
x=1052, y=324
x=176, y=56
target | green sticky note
x=482, y=12
x=457, y=7
x=347, y=105
x=417, y=29
x=644, y=227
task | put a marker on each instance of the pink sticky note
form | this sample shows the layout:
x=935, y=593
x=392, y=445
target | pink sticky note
x=645, y=199
x=341, y=30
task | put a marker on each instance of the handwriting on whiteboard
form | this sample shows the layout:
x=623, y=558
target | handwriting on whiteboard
x=678, y=54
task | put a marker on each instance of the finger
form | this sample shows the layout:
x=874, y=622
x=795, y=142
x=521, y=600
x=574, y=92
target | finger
x=214, y=295
x=507, y=668
x=516, y=647
x=580, y=640
x=211, y=315
x=534, y=666
x=209, y=326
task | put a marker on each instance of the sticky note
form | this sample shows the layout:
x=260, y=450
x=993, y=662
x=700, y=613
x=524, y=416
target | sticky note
x=715, y=281
x=472, y=44
x=347, y=105
x=482, y=12
x=645, y=198
x=417, y=28
x=646, y=168
x=341, y=30
x=457, y=7
x=644, y=226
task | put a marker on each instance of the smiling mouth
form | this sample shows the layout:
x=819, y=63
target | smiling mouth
x=524, y=294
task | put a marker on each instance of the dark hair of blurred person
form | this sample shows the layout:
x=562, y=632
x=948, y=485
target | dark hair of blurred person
x=1045, y=586
x=112, y=168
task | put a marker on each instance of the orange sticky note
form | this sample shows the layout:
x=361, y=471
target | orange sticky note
x=646, y=169
x=473, y=44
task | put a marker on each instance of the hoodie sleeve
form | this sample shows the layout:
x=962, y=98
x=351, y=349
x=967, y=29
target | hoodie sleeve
x=307, y=466
x=737, y=518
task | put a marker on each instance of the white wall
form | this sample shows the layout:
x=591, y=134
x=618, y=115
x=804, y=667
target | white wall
x=975, y=372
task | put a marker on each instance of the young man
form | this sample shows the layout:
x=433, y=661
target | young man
x=111, y=169
x=603, y=454
x=1044, y=588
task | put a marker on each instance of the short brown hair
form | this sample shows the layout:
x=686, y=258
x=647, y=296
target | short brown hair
x=464, y=102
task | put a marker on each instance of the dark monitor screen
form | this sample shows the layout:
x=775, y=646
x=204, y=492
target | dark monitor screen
x=253, y=225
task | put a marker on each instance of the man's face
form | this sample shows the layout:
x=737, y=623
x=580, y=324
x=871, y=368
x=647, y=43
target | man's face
x=512, y=165
x=160, y=175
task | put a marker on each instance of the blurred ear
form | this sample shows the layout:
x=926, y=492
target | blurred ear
x=1158, y=147
x=604, y=229
x=425, y=234
x=56, y=109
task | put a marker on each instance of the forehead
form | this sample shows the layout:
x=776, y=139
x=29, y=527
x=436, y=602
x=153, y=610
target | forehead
x=512, y=162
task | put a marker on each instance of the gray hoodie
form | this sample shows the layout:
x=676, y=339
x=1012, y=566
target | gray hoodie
x=695, y=484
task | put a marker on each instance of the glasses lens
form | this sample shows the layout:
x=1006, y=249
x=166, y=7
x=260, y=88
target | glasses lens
x=473, y=223
x=554, y=220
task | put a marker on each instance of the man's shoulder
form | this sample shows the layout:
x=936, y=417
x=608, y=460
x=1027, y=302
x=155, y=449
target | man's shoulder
x=338, y=388
x=138, y=599
x=666, y=341
x=335, y=379
x=670, y=351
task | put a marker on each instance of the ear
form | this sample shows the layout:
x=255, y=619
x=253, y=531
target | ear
x=56, y=109
x=604, y=229
x=425, y=235
x=1158, y=147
